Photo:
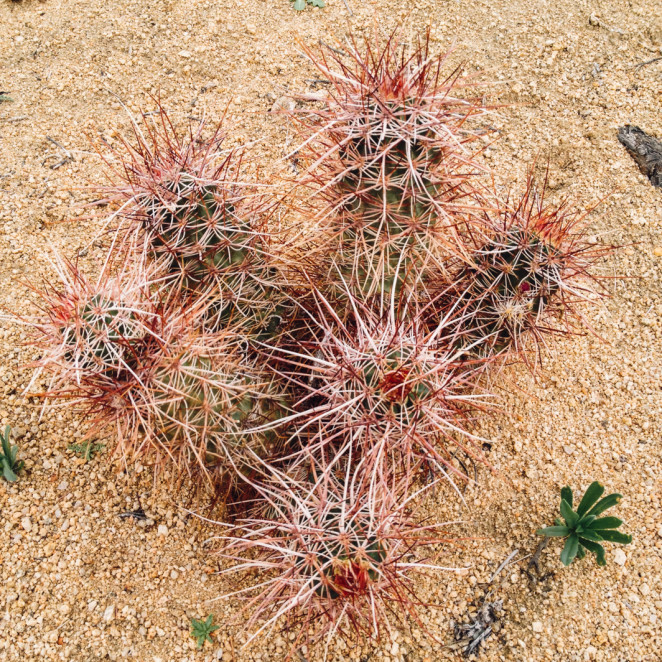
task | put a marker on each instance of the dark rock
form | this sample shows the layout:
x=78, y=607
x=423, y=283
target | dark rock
x=645, y=150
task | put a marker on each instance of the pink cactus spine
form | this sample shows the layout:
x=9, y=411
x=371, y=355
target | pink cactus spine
x=531, y=267
x=183, y=204
x=174, y=391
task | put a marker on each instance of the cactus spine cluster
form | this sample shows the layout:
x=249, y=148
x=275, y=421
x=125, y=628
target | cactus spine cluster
x=337, y=541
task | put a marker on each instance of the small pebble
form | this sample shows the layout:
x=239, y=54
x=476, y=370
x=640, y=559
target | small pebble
x=283, y=104
x=162, y=530
x=26, y=524
x=536, y=626
x=619, y=557
x=109, y=613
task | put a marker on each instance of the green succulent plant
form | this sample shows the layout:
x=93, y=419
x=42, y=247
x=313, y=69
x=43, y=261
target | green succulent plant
x=201, y=630
x=8, y=462
x=583, y=529
x=87, y=450
x=300, y=5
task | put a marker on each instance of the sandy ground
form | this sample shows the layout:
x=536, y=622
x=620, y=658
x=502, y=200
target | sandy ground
x=80, y=583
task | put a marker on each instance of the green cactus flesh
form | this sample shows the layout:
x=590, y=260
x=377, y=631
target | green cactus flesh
x=197, y=405
x=390, y=213
x=209, y=245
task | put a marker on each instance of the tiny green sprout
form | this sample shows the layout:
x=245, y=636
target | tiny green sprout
x=202, y=630
x=583, y=528
x=87, y=450
x=300, y=5
x=4, y=97
x=8, y=462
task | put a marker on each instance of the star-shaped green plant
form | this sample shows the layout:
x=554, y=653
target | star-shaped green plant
x=583, y=528
x=201, y=630
x=9, y=465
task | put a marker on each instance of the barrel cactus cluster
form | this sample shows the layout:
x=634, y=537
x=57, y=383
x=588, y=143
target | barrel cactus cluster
x=322, y=361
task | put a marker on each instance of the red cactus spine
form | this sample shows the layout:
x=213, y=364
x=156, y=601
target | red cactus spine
x=185, y=206
x=175, y=391
x=391, y=384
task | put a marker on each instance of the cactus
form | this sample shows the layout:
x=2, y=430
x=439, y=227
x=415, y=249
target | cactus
x=528, y=270
x=390, y=153
x=390, y=383
x=146, y=365
x=334, y=544
x=92, y=330
x=183, y=204
x=105, y=326
x=320, y=380
x=202, y=402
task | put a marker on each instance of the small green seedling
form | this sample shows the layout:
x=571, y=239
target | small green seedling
x=300, y=5
x=583, y=528
x=87, y=450
x=4, y=97
x=202, y=630
x=10, y=465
